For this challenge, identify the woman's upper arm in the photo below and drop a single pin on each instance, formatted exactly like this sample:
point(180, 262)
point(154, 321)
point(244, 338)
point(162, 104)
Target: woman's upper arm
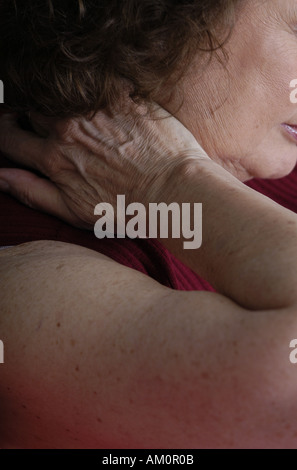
point(99, 355)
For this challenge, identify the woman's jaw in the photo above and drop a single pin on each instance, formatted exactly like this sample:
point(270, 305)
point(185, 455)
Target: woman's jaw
point(240, 112)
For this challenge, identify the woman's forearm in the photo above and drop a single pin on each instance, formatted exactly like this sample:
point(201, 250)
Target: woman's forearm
point(249, 247)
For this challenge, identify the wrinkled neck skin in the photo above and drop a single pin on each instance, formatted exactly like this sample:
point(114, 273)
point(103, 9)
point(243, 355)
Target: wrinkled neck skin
point(236, 106)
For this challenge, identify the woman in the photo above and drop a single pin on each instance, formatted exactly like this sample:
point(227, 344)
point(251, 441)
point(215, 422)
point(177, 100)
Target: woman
point(97, 354)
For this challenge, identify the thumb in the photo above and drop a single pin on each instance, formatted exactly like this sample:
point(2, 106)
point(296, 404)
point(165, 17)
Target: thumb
point(35, 192)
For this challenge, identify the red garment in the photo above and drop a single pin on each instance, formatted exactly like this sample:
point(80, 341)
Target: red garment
point(19, 224)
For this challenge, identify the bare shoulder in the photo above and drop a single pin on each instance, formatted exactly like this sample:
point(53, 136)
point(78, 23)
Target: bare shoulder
point(99, 355)
point(54, 249)
point(70, 322)
point(51, 262)
point(46, 278)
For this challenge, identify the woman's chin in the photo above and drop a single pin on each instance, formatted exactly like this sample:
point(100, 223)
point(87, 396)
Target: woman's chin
point(283, 170)
point(275, 168)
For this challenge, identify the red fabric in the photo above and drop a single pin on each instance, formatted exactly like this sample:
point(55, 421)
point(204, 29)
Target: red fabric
point(19, 224)
point(283, 191)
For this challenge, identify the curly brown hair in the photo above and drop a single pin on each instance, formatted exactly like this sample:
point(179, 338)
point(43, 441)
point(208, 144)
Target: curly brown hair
point(70, 57)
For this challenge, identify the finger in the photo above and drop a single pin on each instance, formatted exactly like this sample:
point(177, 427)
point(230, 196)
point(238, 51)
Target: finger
point(37, 193)
point(21, 146)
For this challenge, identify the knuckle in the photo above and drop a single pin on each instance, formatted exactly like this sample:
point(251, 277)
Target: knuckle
point(50, 164)
point(26, 198)
point(51, 159)
point(67, 130)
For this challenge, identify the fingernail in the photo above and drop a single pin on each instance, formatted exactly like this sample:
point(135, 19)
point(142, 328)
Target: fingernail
point(4, 186)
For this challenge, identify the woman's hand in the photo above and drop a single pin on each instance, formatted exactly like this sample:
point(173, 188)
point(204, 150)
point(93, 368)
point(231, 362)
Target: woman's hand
point(134, 153)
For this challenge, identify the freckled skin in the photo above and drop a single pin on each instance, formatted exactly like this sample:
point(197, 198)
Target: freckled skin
point(127, 396)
